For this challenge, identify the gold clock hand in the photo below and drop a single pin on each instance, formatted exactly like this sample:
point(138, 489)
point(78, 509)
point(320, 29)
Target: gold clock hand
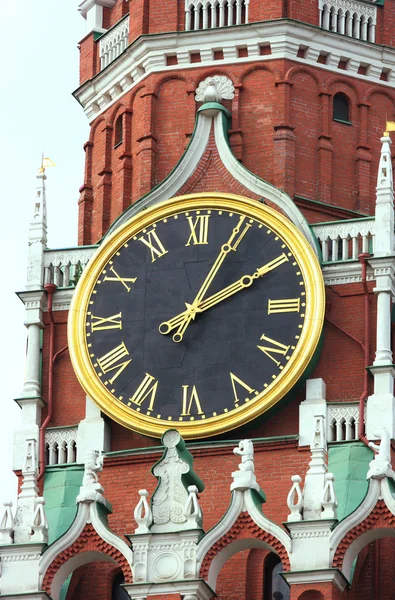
point(231, 244)
point(230, 290)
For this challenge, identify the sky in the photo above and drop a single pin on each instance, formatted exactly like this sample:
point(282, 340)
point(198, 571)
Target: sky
point(39, 72)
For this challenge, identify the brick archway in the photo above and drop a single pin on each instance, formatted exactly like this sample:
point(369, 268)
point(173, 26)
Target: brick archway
point(94, 548)
point(244, 533)
point(379, 523)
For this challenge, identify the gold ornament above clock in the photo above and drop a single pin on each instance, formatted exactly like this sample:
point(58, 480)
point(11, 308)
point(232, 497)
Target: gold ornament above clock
point(200, 313)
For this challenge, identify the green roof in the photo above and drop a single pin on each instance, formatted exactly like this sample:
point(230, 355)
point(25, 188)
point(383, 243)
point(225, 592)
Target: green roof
point(61, 487)
point(349, 462)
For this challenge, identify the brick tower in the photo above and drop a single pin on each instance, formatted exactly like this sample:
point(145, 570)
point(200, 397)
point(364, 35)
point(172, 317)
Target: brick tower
point(270, 114)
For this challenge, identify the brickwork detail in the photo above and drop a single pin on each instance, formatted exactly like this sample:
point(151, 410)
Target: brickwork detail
point(380, 517)
point(88, 541)
point(244, 528)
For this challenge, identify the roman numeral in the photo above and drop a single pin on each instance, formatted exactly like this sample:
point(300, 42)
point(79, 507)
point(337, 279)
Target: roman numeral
point(199, 230)
point(274, 348)
point(111, 361)
point(281, 306)
point(234, 379)
point(152, 241)
point(123, 280)
point(146, 390)
point(188, 401)
point(102, 323)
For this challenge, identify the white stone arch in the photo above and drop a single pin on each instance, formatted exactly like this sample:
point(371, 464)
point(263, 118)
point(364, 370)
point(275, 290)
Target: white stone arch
point(73, 563)
point(87, 513)
point(230, 550)
point(359, 543)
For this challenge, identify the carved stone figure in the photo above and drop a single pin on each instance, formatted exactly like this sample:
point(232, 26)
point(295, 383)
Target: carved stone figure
point(380, 466)
point(93, 465)
point(245, 449)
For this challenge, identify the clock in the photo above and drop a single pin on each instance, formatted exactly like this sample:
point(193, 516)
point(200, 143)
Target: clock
point(200, 313)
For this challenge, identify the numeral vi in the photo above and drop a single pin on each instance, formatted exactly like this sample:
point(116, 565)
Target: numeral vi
point(188, 401)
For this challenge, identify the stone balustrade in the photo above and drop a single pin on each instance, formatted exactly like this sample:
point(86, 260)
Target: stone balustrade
point(345, 240)
point(61, 445)
point(63, 267)
point(208, 14)
point(114, 42)
point(342, 422)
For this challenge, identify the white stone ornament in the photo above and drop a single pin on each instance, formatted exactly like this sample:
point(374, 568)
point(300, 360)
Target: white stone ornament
point(7, 524)
point(143, 513)
point(244, 478)
point(215, 89)
point(192, 510)
point(329, 501)
point(91, 490)
point(295, 499)
point(380, 466)
point(40, 523)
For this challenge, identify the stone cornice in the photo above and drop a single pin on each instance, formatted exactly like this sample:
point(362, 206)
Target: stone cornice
point(316, 576)
point(148, 54)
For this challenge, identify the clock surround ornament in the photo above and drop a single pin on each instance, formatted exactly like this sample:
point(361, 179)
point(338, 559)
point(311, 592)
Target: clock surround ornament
point(200, 313)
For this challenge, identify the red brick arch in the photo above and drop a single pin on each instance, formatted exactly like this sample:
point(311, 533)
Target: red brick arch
point(88, 541)
point(380, 518)
point(244, 528)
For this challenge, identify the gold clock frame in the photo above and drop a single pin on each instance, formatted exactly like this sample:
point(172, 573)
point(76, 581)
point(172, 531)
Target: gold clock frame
point(307, 344)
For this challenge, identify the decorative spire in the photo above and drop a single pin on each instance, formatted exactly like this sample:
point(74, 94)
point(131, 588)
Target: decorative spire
point(175, 473)
point(30, 521)
point(37, 235)
point(384, 214)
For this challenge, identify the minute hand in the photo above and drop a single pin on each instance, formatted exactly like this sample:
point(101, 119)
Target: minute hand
point(240, 284)
point(226, 292)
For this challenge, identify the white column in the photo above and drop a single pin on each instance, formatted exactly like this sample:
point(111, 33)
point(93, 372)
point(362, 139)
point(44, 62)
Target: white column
point(315, 403)
point(93, 432)
point(31, 387)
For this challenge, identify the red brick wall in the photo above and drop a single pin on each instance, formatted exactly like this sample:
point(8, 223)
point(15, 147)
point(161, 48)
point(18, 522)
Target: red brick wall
point(162, 112)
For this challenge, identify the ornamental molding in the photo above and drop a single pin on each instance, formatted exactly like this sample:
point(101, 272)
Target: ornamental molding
point(65, 256)
point(308, 534)
point(19, 557)
point(345, 229)
point(316, 576)
point(64, 434)
point(148, 55)
point(353, 6)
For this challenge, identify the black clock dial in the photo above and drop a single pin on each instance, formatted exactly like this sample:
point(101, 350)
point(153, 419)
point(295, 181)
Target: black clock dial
point(196, 315)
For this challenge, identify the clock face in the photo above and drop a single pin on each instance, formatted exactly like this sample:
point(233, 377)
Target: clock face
point(199, 314)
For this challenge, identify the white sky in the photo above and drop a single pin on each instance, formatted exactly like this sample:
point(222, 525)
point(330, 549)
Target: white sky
point(39, 72)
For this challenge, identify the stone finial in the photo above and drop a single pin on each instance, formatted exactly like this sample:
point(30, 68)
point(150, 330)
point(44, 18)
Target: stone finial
point(329, 502)
point(91, 490)
point(6, 524)
point(174, 472)
point(384, 211)
point(380, 466)
point(192, 510)
point(315, 476)
point(37, 236)
point(142, 513)
point(295, 499)
point(39, 524)
point(244, 478)
point(215, 89)
point(29, 487)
